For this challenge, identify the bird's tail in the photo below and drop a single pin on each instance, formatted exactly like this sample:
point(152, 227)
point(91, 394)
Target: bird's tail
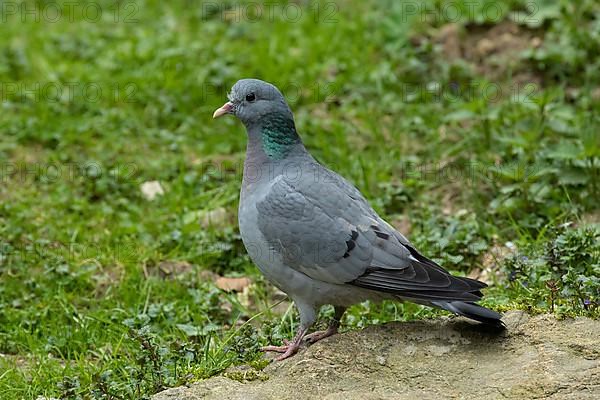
point(471, 310)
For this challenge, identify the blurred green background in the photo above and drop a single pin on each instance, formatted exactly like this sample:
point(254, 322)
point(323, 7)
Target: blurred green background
point(472, 126)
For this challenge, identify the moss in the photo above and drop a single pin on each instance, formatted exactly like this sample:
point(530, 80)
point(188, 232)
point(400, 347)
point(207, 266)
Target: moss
point(245, 373)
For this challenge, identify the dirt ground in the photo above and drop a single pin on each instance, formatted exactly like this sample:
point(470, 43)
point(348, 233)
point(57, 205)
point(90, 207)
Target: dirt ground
point(493, 51)
point(537, 357)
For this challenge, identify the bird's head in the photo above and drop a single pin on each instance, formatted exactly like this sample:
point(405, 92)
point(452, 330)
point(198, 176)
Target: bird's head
point(252, 100)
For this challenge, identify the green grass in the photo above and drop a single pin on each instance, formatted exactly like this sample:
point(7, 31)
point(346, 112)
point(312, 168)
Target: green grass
point(85, 311)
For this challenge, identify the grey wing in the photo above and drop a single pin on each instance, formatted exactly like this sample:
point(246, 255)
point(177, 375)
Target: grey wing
point(310, 236)
point(327, 231)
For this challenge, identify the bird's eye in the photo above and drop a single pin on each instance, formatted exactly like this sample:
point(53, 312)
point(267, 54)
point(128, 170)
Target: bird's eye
point(250, 97)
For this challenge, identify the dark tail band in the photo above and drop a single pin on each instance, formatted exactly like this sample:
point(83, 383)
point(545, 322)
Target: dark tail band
point(473, 311)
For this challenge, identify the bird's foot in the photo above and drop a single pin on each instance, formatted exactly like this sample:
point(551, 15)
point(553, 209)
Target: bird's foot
point(289, 348)
point(277, 349)
point(318, 335)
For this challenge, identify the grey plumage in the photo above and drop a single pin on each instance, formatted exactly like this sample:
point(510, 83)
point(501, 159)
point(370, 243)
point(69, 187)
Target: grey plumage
point(315, 236)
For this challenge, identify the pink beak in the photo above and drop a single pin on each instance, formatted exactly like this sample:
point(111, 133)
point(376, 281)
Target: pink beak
point(227, 108)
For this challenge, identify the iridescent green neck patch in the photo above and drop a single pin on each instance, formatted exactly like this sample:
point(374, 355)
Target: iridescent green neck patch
point(278, 136)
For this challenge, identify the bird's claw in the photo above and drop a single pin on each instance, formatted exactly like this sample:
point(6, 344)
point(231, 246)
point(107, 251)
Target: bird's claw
point(276, 349)
point(288, 349)
point(291, 350)
point(318, 335)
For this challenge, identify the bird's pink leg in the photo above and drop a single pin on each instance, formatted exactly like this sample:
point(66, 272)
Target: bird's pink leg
point(289, 348)
point(277, 349)
point(318, 335)
point(332, 328)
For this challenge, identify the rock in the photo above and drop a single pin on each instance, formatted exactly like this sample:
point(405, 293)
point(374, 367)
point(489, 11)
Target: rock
point(173, 269)
point(216, 218)
point(232, 284)
point(449, 37)
point(151, 189)
point(536, 357)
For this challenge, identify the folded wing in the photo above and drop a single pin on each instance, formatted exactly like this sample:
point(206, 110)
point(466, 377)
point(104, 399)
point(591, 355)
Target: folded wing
point(328, 231)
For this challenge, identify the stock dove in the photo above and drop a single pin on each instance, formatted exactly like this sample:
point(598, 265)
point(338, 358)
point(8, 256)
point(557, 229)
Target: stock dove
point(315, 237)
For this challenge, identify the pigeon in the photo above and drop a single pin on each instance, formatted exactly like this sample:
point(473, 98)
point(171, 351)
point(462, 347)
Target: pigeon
point(313, 234)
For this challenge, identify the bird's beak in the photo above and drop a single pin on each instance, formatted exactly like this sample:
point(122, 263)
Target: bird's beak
point(227, 108)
